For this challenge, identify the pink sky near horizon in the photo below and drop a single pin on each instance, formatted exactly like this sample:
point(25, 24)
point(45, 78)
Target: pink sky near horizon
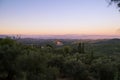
point(60, 31)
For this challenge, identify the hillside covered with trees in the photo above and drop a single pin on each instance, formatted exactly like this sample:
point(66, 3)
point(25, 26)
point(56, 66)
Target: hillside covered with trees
point(79, 61)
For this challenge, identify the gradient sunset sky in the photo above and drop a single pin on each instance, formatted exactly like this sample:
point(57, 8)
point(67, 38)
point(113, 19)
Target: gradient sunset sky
point(58, 17)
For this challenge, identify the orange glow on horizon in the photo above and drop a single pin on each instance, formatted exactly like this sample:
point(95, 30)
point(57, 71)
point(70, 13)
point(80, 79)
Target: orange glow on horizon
point(57, 31)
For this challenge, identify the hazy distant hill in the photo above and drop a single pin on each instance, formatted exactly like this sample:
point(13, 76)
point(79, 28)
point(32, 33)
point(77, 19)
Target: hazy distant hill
point(67, 36)
point(109, 41)
point(107, 46)
point(3, 36)
point(71, 36)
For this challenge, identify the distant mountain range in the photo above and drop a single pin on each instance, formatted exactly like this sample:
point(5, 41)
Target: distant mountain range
point(109, 41)
point(3, 36)
point(68, 36)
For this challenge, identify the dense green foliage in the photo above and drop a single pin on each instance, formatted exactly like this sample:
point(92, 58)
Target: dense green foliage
point(80, 61)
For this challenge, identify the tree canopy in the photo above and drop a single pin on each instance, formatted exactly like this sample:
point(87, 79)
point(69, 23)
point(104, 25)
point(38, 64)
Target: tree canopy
point(116, 2)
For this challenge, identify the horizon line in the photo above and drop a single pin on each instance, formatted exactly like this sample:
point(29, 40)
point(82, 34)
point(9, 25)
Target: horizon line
point(67, 36)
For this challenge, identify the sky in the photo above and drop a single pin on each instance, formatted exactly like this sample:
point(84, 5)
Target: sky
point(59, 17)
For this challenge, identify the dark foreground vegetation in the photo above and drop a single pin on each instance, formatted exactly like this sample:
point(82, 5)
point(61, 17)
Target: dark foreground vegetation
point(73, 60)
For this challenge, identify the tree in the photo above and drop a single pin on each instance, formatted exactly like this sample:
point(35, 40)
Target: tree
point(19, 62)
point(75, 70)
point(9, 51)
point(81, 48)
point(103, 68)
point(116, 2)
point(67, 49)
point(34, 65)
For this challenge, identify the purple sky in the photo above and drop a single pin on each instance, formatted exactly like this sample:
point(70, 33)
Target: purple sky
point(58, 17)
